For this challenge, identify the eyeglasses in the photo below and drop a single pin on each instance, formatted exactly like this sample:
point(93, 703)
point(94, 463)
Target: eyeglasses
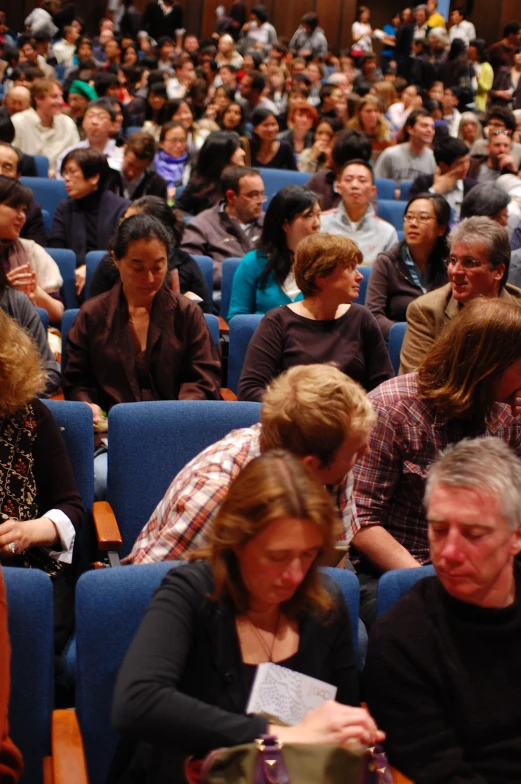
point(174, 140)
point(467, 264)
point(255, 196)
point(410, 217)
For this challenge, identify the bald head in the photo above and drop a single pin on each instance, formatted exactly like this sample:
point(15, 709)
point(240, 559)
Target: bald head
point(18, 100)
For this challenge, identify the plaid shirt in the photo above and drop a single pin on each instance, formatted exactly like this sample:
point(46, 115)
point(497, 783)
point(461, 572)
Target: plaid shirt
point(180, 521)
point(408, 435)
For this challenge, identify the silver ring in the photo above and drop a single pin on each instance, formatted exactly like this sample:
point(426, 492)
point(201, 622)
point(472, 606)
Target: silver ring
point(12, 547)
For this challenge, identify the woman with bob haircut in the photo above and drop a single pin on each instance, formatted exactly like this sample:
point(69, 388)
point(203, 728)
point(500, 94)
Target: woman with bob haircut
point(86, 219)
point(266, 149)
point(302, 118)
point(369, 119)
point(468, 386)
point(28, 267)
point(324, 327)
point(221, 149)
point(252, 595)
point(265, 278)
point(38, 495)
point(413, 266)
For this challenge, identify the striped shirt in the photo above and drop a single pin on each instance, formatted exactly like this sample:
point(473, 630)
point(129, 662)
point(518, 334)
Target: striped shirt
point(181, 520)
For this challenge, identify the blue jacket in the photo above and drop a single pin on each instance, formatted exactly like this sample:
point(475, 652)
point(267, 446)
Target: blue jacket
point(247, 297)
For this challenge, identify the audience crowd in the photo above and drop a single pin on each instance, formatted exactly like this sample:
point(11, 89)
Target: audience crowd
point(361, 211)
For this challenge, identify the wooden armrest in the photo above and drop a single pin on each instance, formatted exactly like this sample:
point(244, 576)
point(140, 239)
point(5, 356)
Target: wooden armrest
point(223, 326)
point(107, 531)
point(58, 396)
point(227, 394)
point(48, 777)
point(399, 778)
point(68, 756)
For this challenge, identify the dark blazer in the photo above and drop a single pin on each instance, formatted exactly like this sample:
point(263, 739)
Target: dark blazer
point(425, 181)
point(180, 360)
point(183, 686)
point(152, 184)
point(33, 228)
point(68, 228)
point(157, 24)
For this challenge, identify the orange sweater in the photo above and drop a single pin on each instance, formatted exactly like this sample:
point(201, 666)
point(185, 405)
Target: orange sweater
point(11, 765)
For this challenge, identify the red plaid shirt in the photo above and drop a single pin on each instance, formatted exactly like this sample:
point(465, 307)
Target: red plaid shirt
point(408, 435)
point(180, 521)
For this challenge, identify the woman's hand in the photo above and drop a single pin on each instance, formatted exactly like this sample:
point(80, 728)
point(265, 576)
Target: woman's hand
point(98, 420)
point(334, 723)
point(30, 533)
point(319, 148)
point(80, 275)
point(24, 279)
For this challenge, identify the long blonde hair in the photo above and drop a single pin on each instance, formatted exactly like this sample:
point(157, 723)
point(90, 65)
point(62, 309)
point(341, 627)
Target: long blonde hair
point(382, 129)
point(271, 486)
point(22, 375)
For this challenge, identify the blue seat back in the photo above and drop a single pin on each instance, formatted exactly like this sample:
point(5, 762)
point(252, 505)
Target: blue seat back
point(42, 165)
point(212, 322)
point(75, 421)
point(67, 321)
point(66, 261)
point(149, 443)
point(275, 179)
point(384, 188)
point(133, 129)
point(242, 329)
point(44, 318)
point(392, 212)
point(400, 235)
point(110, 604)
point(29, 601)
point(92, 259)
point(396, 336)
point(46, 216)
point(366, 272)
point(47, 193)
point(59, 70)
point(349, 585)
point(405, 187)
point(228, 273)
point(393, 585)
point(206, 266)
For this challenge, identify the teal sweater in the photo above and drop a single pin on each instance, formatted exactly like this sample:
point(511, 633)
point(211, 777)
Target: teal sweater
point(246, 296)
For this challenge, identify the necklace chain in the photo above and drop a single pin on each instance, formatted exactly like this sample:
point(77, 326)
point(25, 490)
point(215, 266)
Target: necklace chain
point(268, 651)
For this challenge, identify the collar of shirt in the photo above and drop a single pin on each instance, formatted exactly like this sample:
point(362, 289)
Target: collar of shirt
point(344, 217)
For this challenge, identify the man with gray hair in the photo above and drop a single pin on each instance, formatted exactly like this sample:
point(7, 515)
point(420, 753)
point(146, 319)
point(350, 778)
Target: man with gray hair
point(448, 695)
point(477, 266)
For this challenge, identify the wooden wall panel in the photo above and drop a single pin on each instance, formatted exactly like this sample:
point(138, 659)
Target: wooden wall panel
point(286, 15)
point(329, 13)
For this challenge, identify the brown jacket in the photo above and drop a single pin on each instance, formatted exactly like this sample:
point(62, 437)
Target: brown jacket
point(10, 758)
point(180, 360)
point(428, 315)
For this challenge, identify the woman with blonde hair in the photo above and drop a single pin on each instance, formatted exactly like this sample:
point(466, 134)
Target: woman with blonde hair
point(369, 119)
point(470, 128)
point(323, 327)
point(41, 506)
point(387, 94)
point(252, 595)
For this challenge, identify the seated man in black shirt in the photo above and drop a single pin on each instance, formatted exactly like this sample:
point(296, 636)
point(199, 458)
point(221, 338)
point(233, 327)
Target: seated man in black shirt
point(444, 664)
point(137, 173)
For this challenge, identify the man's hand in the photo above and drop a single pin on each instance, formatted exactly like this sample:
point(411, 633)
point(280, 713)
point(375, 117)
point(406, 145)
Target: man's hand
point(444, 182)
point(507, 162)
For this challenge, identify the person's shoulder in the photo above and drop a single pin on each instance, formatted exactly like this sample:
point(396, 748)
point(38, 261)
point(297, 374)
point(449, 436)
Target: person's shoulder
point(202, 219)
point(65, 120)
point(412, 611)
point(195, 580)
point(434, 300)
point(512, 293)
point(97, 306)
point(25, 117)
point(253, 259)
point(35, 251)
point(399, 393)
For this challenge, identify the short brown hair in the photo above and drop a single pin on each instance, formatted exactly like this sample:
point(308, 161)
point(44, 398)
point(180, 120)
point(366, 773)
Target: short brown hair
point(310, 409)
point(271, 486)
point(22, 376)
point(318, 255)
point(40, 88)
point(142, 144)
point(459, 373)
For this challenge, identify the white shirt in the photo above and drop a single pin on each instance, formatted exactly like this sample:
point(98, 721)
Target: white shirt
point(398, 114)
point(364, 31)
point(464, 30)
point(32, 138)
point(453, 121)
point(64, 52)
point(454, 196)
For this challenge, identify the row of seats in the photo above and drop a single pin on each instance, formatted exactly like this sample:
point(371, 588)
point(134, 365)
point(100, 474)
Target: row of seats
point(110, 605)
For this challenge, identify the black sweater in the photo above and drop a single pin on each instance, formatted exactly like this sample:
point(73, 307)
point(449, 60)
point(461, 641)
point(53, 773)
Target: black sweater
point(181, 685)
point(443, 679)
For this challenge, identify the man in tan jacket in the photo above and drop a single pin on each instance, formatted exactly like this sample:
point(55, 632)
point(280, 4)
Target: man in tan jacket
point(477, 266)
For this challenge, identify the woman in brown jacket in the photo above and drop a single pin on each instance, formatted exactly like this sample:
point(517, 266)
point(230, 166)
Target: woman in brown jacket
point(413, 266)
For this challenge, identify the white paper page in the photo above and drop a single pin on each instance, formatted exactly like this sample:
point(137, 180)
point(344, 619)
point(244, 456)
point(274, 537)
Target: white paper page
point(285, 694)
